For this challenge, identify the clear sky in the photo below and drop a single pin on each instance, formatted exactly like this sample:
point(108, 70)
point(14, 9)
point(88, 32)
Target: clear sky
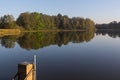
point(101, 11)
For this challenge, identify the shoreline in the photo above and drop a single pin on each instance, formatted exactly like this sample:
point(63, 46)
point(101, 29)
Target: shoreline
point(52, 30)
point(108, 29)
point(9, 32)
point(18, 30)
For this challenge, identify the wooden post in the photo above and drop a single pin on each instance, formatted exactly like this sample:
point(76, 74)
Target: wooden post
point(25, 71)
point(34, 67)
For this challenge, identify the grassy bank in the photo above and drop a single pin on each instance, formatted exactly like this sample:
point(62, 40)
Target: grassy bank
point(8, 32)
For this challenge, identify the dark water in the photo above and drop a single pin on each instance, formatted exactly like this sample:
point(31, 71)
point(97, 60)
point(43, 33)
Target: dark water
point(63, 55)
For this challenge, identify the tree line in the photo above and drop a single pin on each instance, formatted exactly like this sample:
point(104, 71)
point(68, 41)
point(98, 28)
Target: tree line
point(39, 21)
point(112, 25)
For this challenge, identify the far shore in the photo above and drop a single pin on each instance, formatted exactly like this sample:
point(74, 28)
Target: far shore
point(45, 30)
point(108, 29)
point(9, 32)
point(52, 30)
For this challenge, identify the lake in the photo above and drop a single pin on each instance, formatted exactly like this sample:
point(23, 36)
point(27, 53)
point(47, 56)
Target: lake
point(63, 55)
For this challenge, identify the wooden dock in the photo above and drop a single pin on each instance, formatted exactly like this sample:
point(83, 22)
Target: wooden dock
point(26, 71)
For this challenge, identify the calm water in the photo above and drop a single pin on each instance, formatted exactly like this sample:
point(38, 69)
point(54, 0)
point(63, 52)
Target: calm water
point(63, 56)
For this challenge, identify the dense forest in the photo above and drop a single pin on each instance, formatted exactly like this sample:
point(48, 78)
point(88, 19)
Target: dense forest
point(39, 40)
point(112, 25)
point(39, 21)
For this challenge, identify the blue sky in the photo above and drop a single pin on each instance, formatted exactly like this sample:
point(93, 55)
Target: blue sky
point(101, 11)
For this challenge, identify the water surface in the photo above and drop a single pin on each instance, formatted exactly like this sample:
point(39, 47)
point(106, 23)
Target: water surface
point(63, 55)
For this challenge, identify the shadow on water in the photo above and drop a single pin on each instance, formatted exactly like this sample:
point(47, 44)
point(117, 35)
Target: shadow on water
point(38, 40)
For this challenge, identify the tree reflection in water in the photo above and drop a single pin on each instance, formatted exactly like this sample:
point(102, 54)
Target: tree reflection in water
point(38, 40)
point(111, 33)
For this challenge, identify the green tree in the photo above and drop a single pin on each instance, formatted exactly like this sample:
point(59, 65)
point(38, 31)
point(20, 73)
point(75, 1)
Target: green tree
point(8, 22)
point(39, 21)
